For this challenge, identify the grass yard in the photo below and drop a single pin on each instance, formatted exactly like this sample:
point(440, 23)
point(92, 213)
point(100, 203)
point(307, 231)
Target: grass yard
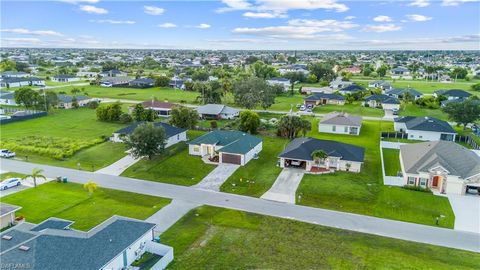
point(175, 166)
point(70, 201)
point(258, 175)
point(354, 109)
point(216, 238)
point(364, 192)
point(7, 175)
point(391, 160)
point(414, 110)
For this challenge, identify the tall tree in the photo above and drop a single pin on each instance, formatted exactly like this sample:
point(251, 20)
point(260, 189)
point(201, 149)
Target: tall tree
point(249, 121)
point(252, 92)
point(146, 140)
point(290, 126)
point(138, 113)
point(26, 96)
point(36, 173)
point(464, 113)
point(323, 71)
point(183, 117)
point(263, 71)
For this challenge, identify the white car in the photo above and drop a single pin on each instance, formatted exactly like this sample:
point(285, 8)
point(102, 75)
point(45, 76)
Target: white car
point(6, 153)
point(9, 183)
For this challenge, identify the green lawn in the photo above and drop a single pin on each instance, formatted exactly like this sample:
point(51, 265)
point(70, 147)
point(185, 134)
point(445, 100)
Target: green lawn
point(175, 166)
point(414, 110)
point(354, 109)
point(364, 192)
point(216, 238)
point(7, 175)
point(70, 201)
point(258, 175)
point(391, 160)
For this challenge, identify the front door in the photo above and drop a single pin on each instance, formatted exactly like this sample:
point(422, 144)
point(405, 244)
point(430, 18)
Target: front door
point(435, 181)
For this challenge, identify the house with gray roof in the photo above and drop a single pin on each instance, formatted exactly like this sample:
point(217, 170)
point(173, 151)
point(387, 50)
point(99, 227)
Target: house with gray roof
point(222, 146)
point(339, 156)
point(65, 78)
point(9, 82)
point(7, 214)
point(173, 135)
point(452, 94)
point(66, 102)
point(52, 244)
point(217, 111)
point(340, 123)
point(382, 101)
point(444, 166)
point(401, 92)
point(283, 82)
point(7, 98)
point(424, 128)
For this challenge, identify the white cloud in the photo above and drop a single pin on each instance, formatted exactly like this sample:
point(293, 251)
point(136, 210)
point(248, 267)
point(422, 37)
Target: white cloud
point(22, 40)
point(418, 18)
point(382, 28)
point(23, 31)
point(93, 9)
point(232, 5)
point(382, 18)
point(420, 3)
point(203, 26)
point(350, 18)
point(113, 21)
point(152, 10)
point(167, 25)
point(450, 3)
point(300, 29)
point(264, 15)
point(282, 7)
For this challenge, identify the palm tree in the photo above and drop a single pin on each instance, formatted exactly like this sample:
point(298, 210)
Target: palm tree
point(90, 186)
point(318, 155)
point(36, 173)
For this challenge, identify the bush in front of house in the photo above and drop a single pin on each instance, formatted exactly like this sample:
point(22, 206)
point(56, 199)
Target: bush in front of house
point(417, 188)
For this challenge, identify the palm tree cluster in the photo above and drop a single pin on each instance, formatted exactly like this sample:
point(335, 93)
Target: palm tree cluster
point(290, 126)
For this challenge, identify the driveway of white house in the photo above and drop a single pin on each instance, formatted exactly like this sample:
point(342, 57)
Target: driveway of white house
point(217, 177)
point(467, 212)
point(285, 187)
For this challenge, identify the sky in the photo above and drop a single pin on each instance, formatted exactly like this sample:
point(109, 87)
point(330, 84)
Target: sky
point(243, 24)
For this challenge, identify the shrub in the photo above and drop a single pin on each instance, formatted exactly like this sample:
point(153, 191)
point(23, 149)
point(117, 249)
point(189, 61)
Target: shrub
point(417, 188)
point(92, 104)
point(213, 124)
point(125, 118)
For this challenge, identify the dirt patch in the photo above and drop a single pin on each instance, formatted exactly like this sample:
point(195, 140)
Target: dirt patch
point(203, 241)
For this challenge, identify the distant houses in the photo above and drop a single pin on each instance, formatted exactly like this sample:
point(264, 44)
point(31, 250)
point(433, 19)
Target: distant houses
point(424, 128)
point(66, 102)
point(173, 134)
point(350, 89)
point(285, 83)
point(319, 99)
point(304, 90)
point(452, 94)
point(113, 73)
point(217, 111)
point(65, 78)
point(339, 83)
point(400, 93)
point(162, 109)
point(142, 83)
point(382, 101)
point(401, 73)
point(340, 123)
point(115, 81)
point(9, 82)
point(7, 98)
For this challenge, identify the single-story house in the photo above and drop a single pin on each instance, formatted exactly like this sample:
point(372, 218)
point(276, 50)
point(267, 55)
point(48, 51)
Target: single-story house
point(177, 83)
point(9, 82)
point(142, 83)
point(352, 88)
point(459, 100)
point(304, 90)
point(339, 83)
point(65, 78)
point(114, 81)
point(7, 98)
point(66, 102)
point(424, 128)
point(113, 73)
point(294, 68)
point(340, 156)
point(113, 244)
point(340, 123)
point(440, 165)
point(384, 85)
point(162, 108)
point(233, 147)
point(284, 82)
point(7, 214)
point(173, 134)
point(87, 74)
point(401, 92)
point(452, 94)
point(217, 111)
point(382, 101)
point(400, 72)
point(14, 74)
point(318, 99)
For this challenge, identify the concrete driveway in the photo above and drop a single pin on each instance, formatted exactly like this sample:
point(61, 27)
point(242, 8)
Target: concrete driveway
point(170, 214)
point(467, 212)
point(285, 187)
point(217, 177)
point(119, 166)
point(388, 114)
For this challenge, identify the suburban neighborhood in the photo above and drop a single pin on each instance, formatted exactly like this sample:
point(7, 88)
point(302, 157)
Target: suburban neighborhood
point(292, 146)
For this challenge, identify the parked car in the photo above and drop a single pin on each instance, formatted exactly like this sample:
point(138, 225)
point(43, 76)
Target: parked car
point(302, 108)
point(9, 183)
point(6, 153)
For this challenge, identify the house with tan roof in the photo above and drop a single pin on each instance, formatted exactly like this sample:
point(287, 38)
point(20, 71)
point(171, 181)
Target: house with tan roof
point(340, 123)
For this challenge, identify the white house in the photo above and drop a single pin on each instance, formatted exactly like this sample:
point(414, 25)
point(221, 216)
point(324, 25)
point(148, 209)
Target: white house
point(66, 102)
point(424, 128)
point(173, 134)
point(285, 83)
point(162, 109)
point(65, 78)
point(382, 101)
point(217, 111)
point(7, 98)
point(9, 82)
point(7, 214)
point(446, 167)
point(233, 147)
point(401, 73)
point(340, 123)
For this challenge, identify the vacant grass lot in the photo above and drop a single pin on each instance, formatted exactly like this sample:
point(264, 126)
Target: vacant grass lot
point(175, 166)
point(70, 201)
point(414, 110)
point(364, 192)
point(354, 109)
point(391, 160)
point(258, 175)
point(216, 238)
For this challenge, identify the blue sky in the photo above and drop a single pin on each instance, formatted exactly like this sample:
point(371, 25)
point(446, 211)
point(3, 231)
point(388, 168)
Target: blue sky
point(242, 24)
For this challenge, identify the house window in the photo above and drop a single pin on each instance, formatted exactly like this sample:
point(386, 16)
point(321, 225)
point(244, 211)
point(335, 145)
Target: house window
point(178, 136)
point(345, 129)
point(334, 128)
point(411, 180)
point(196, 148)
point(423, 182)
point(411, 136)
point(420, 136)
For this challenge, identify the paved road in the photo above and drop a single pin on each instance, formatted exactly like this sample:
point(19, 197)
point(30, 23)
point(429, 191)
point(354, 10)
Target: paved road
point(285, 187)
point(383, 227)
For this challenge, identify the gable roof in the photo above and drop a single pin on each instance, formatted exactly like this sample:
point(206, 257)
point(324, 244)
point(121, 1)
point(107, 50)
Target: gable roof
point(344, 119)
point(352, 88)
point(453, 93)
point(425, 124)
point(169, 130)
point(143, 81)
point(68, 99)
point(157, 104)
point(403, 91)
point(235, 142)
point(383, 99)
point(52, 223)
point(319, 96)
point(64, 76)
point(302, 148)
point(456, 159)
point(216, 109)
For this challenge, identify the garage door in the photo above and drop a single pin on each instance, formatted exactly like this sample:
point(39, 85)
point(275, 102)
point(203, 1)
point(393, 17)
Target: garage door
point(230, 158)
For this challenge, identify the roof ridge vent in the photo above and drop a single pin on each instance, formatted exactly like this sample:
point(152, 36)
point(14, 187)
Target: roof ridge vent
point(7, 237)
point(24, 248)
